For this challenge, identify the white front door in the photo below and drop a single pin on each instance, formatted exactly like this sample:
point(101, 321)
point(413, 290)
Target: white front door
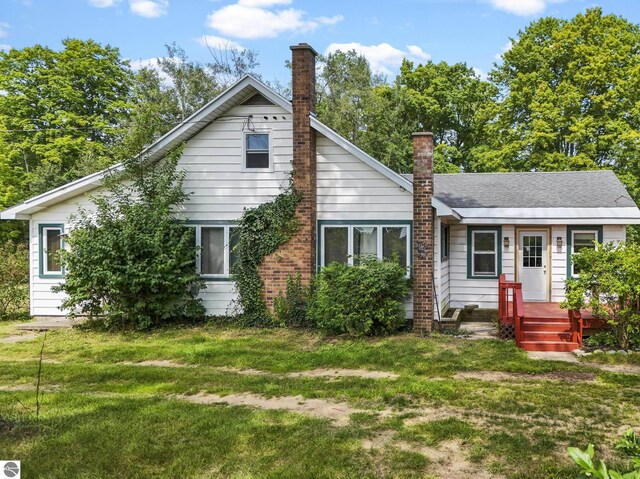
point(532, 265)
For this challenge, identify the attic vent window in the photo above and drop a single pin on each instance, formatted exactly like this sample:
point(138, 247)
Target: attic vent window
point(257, 151)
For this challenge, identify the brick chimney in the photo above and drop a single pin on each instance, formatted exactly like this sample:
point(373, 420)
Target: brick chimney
point(422, 231)
point(299, 254)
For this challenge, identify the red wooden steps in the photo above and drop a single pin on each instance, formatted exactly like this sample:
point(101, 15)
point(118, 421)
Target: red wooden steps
point(558, 346)
point(547, 334)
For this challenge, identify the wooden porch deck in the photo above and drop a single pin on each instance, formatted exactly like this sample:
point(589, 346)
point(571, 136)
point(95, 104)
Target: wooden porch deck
point(545, 310)
point(540, 326)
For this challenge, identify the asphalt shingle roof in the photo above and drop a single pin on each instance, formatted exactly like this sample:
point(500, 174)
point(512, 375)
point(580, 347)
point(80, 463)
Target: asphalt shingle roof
point(570, 189)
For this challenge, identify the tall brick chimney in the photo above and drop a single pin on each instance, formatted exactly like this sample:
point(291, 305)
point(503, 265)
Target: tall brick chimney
point(422, 231)
point(299, 254)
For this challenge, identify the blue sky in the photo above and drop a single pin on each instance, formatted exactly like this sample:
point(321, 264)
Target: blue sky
point(471, 31)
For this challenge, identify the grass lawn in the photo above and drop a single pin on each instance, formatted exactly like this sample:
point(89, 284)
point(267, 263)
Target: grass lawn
point(446, 407)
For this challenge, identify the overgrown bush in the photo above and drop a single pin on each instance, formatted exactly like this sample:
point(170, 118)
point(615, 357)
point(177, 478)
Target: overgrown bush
point(291, 308)
point(609, 285)
point(364, 299)
point(14, 281)
point(132, 262)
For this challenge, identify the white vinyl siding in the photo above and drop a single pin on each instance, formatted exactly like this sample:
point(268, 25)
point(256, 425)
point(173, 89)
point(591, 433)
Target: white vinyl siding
point(480, 291)
point(221, 189)
point(348, 189)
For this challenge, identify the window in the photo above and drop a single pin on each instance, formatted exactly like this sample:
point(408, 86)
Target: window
point(579, 238)
point(483, 252)
point(532, 251)
point(346, 243)
point(51, 242)
point(215, 258)
point(257, 151)
point(444, 241)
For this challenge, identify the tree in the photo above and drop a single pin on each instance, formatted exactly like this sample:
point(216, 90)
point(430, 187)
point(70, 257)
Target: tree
point(452, 102)
point(165, 96)
point(131, 262)
point(60, 114)
point(571, 90)
point(609, 285)
point(345, 89)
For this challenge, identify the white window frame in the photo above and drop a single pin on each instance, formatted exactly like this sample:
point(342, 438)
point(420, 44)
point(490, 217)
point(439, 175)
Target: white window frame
point(494, 252)
point(227, 250)
point(350, 227)
point(573, 246)
point(43, 246)
point(244, 151)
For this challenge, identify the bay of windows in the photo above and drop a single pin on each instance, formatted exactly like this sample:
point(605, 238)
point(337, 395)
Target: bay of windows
point(347, 243)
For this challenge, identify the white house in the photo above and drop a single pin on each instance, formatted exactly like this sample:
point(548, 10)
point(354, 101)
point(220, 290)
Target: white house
point(457, 232)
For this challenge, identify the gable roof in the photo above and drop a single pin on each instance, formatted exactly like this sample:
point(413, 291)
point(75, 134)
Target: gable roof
point(241, 91)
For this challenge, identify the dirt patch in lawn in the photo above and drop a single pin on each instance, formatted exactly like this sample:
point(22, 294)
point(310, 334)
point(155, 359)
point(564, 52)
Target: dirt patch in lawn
point(567, 376)
point(448, 461)
point(314, 373)
point(18, 338)
point(337, 412)
point(344, 373)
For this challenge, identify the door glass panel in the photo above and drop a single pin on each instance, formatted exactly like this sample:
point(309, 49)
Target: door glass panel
point(365, 241)
point(532, 251)
point(394, 244)
point(336, 245)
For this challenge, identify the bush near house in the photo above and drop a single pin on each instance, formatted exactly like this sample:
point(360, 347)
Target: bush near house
point(14, 281)
point(609, 285)
point(363, 299)
point(132, 262)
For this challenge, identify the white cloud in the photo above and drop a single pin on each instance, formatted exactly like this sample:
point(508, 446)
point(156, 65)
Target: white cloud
point(480, 73)
point(258, 19)
point(149, 8)
point(383, 58)
point(508, 46)
point(523, 7)
point(4, 29)
point(4, 47)
point(151, 63)
point(103, 3)
point(418, 52)
point(263, 3)
point(212, 41)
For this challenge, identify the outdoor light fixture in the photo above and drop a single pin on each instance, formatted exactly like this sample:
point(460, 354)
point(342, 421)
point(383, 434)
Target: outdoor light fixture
point(505, 241)
point(559, 241)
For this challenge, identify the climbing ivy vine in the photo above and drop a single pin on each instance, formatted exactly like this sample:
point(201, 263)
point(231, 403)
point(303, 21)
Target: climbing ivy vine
point(261, 231)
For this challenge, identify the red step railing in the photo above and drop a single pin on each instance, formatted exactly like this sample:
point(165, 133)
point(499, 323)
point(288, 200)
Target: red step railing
point(511, 306)
point(577, 325)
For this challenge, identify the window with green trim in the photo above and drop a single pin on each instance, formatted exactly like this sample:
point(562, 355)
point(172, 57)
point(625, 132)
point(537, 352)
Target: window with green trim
point(580, 238)
point(346, 243)
point(444, 241)
point(215, 258)
point(483, 252)
point(51, 243)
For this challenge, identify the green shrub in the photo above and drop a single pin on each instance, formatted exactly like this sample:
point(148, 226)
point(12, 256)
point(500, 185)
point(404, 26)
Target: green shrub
point(609, 285)
point(14, 281)
point(629, 445)
point(363, 299)
point(132, 262)
point(291, 308)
